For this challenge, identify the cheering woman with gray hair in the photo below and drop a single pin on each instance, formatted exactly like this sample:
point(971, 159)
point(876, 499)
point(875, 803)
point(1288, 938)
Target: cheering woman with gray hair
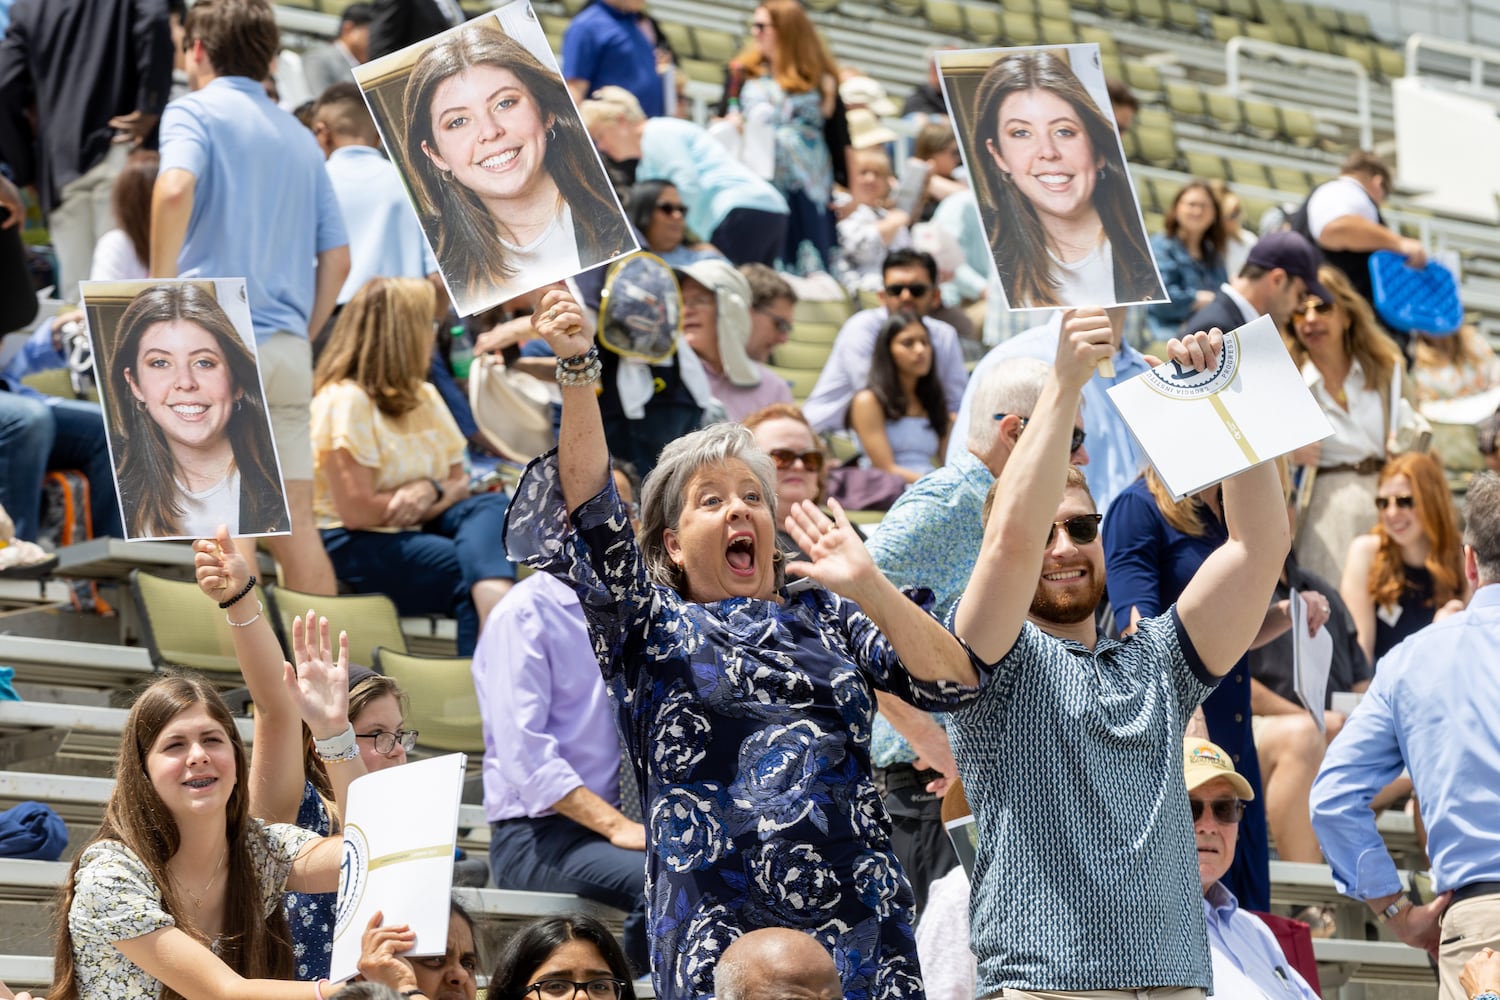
point(746, 705)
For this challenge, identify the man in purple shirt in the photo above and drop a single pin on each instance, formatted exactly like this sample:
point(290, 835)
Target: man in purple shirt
point(552, 756)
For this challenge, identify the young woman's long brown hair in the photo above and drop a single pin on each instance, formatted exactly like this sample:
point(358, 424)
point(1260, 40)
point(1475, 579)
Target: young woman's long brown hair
point(382, 341)
point(1433, 507)
point(253, 944)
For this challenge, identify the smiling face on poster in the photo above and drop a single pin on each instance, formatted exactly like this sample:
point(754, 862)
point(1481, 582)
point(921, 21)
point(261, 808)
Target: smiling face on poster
point(189, 434)
point(1038, 136)
point(510, 190)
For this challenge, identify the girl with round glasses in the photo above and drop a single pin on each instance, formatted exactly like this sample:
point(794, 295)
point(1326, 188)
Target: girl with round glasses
point(1410, 568)
point(571, 957)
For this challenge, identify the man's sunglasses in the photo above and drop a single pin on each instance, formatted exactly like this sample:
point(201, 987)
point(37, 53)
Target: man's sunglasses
point(1226, 811)
point(785, 458)
point(1083, 529)
point(916, 288)
point(1402, 503)
point(1079, 435)
point(783, 326)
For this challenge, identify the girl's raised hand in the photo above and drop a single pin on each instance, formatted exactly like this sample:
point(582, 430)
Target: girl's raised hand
point(319, 683)
point(220, 569)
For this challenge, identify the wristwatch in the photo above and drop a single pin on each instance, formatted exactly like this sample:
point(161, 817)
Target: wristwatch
point(440, 491)
point(1393, 909)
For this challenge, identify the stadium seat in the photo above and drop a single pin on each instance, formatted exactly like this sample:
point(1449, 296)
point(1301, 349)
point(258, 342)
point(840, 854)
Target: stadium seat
point(1205, 165)
point(1057, 10)
point(716, 46)
point(442, 704)
point(1285, 33)
point(1152, 12)
point(802, 381)
point(1183, 16)
point(1225, 112)
point(1145, 194)
point(1391, 61)
point(1186, 100)
point(181, 629)
point(1260, 32)
point(1019, 29)
point(370, 620)
point(1356, 23)
point(1248, 172)
point(945, 15)
point(984, 23)
point(1315, 37)
point(1246, 10)
point(1122, 9)
point(1290, 181)
point(572, 7)
point(1361, 52)
point(679, 36)
point(1019, 6)
point(1055, 32)
point(821, 311)
point(1262, 118)
point(802, 355)
point(1225, 27)
point(1143, 77)
point(1158, 147)
point(1101, 37)
point(1299, 126)
point(822, 6)
point(702, 70)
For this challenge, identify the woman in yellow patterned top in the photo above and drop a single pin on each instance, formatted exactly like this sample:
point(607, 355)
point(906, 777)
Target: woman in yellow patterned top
point(389, 487)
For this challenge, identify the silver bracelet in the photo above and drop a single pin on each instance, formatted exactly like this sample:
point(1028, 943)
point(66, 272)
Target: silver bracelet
point(259, 607)
point(586, 369)
point(338, 748)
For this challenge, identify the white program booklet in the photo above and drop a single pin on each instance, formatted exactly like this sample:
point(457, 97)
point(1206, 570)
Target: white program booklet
point(398, 856)
point(1198, 428)
point(1312, 656)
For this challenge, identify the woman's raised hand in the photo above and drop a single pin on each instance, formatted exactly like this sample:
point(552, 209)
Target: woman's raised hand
point(559, 321)
point(319, 684)
point(836, 557)
point(380, 952)
point(220, 569)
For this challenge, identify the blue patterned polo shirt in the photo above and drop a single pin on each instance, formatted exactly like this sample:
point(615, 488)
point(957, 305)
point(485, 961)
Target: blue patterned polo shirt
point(1087, 873)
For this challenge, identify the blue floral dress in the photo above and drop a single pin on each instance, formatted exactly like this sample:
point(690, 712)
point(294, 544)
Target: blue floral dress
point(311, 914)
point(748, 723)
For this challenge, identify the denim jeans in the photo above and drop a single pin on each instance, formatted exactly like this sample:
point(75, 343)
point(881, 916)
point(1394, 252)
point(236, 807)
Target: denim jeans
point(37, 436)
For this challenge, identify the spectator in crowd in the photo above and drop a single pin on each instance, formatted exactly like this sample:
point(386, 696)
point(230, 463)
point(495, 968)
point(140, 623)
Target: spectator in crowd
point(453, 975)
point(1409, 569)
point(1247, 959)
point(230, 160)
point(385, 238)
point(607, 45)
point(901, 418)
point(392, 497)
point(82, 82)
point(911, 282)
point(773, 303)
point(556, 956)
point(395, 24)
point(1436, 685)
point(1279, 274)
point(873, 226)
point(657, 210)
point(1032, 599)
point(1074, 242)
point(926, 102)
point(552, 755)
point(1486, 439)
point(329, 63)
point(775, 962)
point(1115, 460)
point(716, 326)
point(1124, 102)
point(124, 253)
point(1342, 217)
point(1190, 255)
point(706, 559)
point(183, 474)
point(484, 222)
point(930, 538)
point(937, 146)
point(1461, 364)
point(1349, 365)
point(782, 432)
point(1238, 239)
point(792, 81)
point(743, 216)
point(967, 288)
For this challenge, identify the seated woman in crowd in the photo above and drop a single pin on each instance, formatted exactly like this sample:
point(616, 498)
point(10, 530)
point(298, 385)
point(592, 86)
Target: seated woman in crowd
point(391, 493)
point(782, 432)
point(122, 253)
point(873, 226)
point(741, 673)
point(1410, 568)
point(1237, 238)
point(452, 975)
point(1190, 254)
point(902, 418)
point(551, 959)
point(1462, 364)
point(657, 210)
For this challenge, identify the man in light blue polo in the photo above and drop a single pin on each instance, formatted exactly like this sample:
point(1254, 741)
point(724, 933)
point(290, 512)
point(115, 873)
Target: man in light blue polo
point(242, 193)
point(1086, 878)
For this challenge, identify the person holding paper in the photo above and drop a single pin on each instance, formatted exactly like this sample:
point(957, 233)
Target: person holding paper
point(1408, 570)
point(1119, 707)
point(504, 175)
point(746, 706)
point(1055, 194)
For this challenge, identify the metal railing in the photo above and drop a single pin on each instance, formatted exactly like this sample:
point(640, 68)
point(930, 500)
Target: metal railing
point(1478, 56)
point(1362, 118)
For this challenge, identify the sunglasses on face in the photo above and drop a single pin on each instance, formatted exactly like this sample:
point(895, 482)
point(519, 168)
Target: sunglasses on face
point(670, 208)
point(1079, 434)
point(758, 26)
point(1316, 305)
point(783, 326)
point(785, 458)
point(1081, 529)
point(1402, 503)
point(917, 290)
point(1225, 811)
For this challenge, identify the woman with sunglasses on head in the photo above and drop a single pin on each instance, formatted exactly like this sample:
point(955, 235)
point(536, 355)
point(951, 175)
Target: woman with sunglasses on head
point(1349, 364)
point(903, 418)
point(562, 958)
point(1410, 568)
point(801, 461)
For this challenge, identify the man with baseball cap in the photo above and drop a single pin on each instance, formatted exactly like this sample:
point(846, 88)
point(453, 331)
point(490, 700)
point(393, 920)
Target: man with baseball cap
point(1248, 963)
point(1280, 273)
point(716, 324)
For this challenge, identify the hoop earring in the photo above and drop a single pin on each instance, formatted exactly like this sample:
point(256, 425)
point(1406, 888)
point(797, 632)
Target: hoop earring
point(239, 404)
point(552, 133)
point(140, 404)
point(1102, 173)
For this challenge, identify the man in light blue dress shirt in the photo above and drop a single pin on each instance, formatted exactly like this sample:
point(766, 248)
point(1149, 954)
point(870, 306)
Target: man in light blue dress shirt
point(1431, 710)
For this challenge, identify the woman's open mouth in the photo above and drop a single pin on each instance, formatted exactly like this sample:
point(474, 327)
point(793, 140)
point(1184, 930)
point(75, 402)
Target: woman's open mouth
point(740, 555)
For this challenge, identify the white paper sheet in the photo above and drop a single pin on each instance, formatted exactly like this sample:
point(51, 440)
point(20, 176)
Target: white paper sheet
point(1200, 427)
point(1312, 656)
point(398, 856)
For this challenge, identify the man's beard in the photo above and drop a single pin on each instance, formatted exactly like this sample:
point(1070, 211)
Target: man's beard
point(1071, 605)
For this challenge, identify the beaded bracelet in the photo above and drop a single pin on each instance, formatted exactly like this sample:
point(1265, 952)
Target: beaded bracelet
point(249, 586)
point(337, 749)
point(259, 609)
point(586, 369)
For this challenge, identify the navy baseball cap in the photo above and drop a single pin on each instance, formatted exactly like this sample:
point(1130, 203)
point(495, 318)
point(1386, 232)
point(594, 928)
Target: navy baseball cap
point(1293, 254)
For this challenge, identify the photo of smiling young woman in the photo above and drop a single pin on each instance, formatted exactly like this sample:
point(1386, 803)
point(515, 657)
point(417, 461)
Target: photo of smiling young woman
point(510, 190)
point(1055, 195)
point(189, 436)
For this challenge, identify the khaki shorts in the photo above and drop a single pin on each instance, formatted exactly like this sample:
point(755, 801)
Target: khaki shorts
point(286, 370)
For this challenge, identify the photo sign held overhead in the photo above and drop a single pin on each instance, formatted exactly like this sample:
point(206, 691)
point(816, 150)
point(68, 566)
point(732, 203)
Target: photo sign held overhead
point(1037, 132)
point(502, 173)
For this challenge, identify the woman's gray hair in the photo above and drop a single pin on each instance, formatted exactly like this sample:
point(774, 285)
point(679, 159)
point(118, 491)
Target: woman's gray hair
point(664, 492)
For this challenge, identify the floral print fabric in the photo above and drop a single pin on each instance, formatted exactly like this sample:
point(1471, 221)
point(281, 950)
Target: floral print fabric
point(310, 915)
point(748, 723)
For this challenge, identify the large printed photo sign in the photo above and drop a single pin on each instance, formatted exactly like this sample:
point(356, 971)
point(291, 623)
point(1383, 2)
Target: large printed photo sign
point(1037, 133)
point(510, 190)
point(185, 409)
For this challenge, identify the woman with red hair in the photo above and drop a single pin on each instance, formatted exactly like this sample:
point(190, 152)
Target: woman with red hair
point(1409, 568)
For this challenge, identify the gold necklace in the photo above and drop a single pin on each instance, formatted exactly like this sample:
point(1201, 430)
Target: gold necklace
point(196, 898)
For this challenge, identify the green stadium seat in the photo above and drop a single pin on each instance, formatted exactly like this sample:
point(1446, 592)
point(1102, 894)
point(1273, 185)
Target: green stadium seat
point(946, 16)
point(826, 311)
point(1260, 32)
point(821, 334)
point(1058, 10)
point(1213, 6)
point(1327, 16)
point(1055, 32)
point(1183, 16)
point(1186, 99)
point(1392, 62)
point(1110, 63)
point(1244, 9)
point(300, 4)
point(1285, 33)
point(1158, 147)
point(1315, 37)
point(556, 24)
point(802, 381)
point(1118, 8)
point(1142, 76)
point(1162, 193)
point(1255, 207)
point(1145, 194)
point(571, 7)
point(1152, 12)
point(1155, 221)
point(802, 356)
point(1155, 117)
point(1225, 27)
point(1290, 180)
point(1248, 172)
point(1019, 6)
point(1019, 29)
point(1225, 112)
point(716, 46)
point(1091, 6)
point(1262, 118)
point(702, 70)
point(1131, 144)
point(1361, 52)
point(822, 6)
point(1356, 23)
point(1101, 37)
point(1299, 126)
point(1205, 165)
point(984, 23)
point(678, 36)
